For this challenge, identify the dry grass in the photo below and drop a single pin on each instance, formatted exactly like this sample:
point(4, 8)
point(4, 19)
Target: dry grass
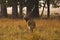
point(17, 29)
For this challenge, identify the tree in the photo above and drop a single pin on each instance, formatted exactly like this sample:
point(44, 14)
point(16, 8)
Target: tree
point(14, 9)
point(36, 12)
point(21, 3)
point(32, 8)
point(48, 10)
point(3, 8)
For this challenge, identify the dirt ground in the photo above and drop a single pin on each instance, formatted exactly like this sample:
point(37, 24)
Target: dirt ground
point(17, 29)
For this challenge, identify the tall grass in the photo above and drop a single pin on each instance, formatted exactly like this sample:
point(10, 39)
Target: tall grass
point(17, 29)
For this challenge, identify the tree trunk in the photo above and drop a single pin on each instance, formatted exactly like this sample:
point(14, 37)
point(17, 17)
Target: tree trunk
point(48, 10)
point(36, 12)
point(21, 5)
point(14, 9)
point(4, 8)
point(32, 8)
point(21, 10)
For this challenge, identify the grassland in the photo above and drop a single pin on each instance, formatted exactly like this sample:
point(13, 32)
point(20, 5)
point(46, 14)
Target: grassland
point(17, 29)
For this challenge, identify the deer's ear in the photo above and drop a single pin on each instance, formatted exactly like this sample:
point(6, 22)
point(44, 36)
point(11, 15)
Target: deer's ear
point(26, 19)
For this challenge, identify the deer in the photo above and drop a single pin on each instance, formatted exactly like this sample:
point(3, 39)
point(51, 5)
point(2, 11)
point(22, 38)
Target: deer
point(31, 24)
